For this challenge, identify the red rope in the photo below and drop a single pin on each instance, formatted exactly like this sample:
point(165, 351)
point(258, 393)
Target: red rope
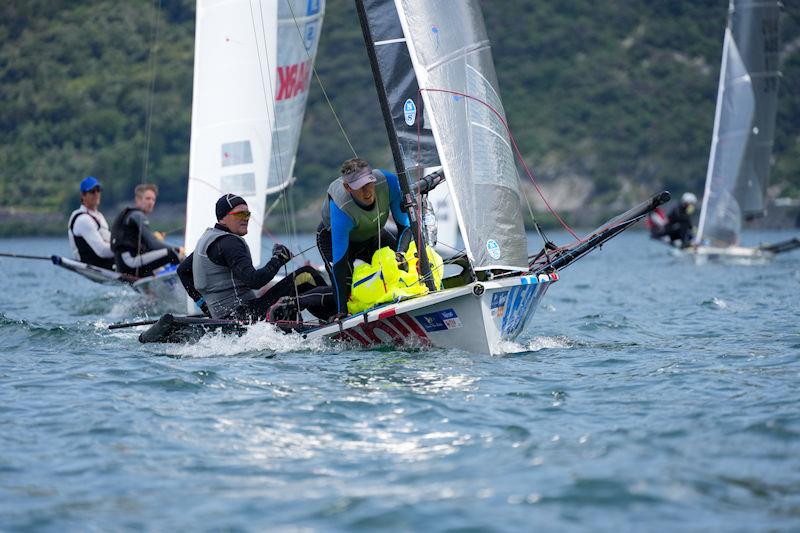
point(516, 151)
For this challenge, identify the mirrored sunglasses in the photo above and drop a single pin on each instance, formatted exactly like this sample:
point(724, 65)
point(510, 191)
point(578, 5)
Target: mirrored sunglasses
point(241, 215)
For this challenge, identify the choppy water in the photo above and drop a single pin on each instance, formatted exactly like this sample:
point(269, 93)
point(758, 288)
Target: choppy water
point(649, 394)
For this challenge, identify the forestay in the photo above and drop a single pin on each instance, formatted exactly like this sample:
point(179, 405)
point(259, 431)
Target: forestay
point(232, 111)
point(744, 123)
point(452, 59)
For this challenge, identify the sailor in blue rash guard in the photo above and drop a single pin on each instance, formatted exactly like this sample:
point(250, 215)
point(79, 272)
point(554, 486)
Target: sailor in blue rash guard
point(354, 213)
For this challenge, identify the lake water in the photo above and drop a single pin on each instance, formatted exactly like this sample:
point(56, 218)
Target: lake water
point(648, 394)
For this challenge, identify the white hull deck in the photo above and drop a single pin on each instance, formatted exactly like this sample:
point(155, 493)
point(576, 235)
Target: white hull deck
point(163, 287)
point(475, 318)
point(731, 254)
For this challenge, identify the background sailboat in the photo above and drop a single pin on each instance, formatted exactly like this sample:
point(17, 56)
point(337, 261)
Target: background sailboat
point(744, 126)
point(253, 63)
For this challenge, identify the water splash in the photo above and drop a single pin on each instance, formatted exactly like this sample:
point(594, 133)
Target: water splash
point(534, 345)
point(260, 337)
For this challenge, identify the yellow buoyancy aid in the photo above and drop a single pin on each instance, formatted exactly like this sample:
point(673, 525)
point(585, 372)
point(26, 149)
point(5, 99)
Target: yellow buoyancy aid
point(384, 281)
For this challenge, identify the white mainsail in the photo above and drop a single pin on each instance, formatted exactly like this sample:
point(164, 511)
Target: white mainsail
point(453, 63)
point(744, 123)
point(232, 111)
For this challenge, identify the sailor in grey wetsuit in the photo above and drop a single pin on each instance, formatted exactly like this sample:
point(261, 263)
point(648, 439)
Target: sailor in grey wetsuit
point(137, 250)
point(89, 236)
point(353, 217)
point(221, 279)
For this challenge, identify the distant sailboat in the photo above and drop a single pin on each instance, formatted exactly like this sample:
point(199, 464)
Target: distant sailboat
point(253, 65)
point(744, 127)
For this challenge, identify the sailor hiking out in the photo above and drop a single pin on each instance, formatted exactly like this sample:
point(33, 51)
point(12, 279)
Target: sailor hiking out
point(89, 236)
point(679, 227)
point(354, 214)
point(222, 280)
point(137, 250)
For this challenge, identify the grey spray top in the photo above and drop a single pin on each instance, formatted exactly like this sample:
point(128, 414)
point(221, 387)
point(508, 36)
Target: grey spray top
point(221, 290)
point(366, 223)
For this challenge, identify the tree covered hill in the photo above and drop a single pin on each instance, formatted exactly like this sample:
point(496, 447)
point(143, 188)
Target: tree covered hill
point(618, 94)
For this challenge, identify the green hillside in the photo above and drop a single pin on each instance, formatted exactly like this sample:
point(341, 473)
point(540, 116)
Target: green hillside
point(620, 93)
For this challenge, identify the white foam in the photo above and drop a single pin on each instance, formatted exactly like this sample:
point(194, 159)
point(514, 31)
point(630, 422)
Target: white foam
point(258, 338)
point(534, 345)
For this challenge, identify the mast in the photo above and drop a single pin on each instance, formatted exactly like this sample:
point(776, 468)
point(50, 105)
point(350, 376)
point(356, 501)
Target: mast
point(409, 202)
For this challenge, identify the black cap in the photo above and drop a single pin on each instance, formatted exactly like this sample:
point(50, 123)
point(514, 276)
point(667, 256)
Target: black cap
point(226, 203)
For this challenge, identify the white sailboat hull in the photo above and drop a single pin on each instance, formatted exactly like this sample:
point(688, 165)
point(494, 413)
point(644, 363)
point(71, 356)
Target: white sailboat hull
point(729, 254)
point(163, 287)
point(475, 318)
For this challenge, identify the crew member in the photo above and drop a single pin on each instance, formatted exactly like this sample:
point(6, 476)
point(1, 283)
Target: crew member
point(220, 274)
point(88, 232)
point(354, 213)
point(679, 227)
point(137, 250)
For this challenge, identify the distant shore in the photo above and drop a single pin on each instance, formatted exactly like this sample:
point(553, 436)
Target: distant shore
point(170, 219)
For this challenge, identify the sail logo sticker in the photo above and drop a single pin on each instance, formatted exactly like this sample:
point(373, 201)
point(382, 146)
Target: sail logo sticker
point(312, 7)
point(293, 80)
point(410, 111)
point(493, 248)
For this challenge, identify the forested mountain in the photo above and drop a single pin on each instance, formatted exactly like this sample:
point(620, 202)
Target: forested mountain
point(614, 97)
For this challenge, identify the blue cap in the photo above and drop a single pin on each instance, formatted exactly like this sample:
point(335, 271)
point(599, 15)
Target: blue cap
point(90, 183)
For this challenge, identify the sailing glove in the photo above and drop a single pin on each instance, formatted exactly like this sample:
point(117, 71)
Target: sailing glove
point(282, 253)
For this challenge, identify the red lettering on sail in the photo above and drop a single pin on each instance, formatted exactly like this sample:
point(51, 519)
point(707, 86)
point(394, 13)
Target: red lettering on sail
point(293, 80)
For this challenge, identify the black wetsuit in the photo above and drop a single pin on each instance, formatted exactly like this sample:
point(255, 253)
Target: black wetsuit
point(679, 226)
point(232, 252)
point(136, 249)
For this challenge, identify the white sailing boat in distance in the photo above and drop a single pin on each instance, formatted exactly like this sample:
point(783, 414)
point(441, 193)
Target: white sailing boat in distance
point(744, 127)
point(252, 70)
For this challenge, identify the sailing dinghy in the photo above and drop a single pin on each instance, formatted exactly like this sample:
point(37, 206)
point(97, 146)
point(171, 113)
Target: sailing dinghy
point(744, 127)
point(432, 66)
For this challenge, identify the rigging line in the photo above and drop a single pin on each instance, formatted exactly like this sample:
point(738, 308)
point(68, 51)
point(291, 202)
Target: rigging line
point(151, 89)
point(319, 82)
point(516, 150)
point(271, 114)
point(536, 226)
point(149, 115)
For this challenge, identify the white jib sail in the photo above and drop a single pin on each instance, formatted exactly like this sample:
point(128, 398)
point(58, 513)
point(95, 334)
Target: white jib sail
point(232, 112)
point(299, 28)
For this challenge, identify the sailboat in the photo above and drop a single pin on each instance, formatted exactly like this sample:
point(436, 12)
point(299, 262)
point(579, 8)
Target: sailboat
point(252, 70)
point(433, 69)
point(744, 126)
point(435, 77)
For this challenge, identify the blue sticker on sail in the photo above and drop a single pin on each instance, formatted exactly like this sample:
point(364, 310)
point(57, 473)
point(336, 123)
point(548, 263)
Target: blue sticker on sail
point(310, 35)
point(440, 320)
point(312, 7)
point(410, 111)
point(493, 248)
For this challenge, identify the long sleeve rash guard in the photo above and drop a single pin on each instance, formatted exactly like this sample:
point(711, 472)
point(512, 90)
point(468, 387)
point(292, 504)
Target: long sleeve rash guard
point(232, 252)
point(341, 224)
